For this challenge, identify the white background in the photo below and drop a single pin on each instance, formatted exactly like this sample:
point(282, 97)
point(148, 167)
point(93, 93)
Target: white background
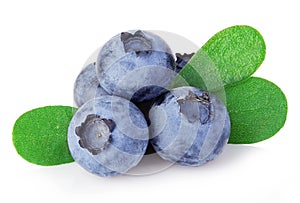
point(43, 46)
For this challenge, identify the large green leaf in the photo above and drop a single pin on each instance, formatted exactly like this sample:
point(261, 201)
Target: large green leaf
point(257, 110)
point(231, 55)
point(40, 135)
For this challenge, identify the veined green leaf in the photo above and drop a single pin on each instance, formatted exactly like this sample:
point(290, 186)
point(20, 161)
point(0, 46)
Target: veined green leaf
point(257, 110)
point(231, 55)
point(40, 135)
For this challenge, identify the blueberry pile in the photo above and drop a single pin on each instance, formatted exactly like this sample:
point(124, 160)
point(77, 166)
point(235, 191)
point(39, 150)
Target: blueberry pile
point(126, 108)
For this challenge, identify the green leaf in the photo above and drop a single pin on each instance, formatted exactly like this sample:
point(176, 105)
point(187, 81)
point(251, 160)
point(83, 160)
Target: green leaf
point(231, 55)
point(257, 110)
point(40, 135)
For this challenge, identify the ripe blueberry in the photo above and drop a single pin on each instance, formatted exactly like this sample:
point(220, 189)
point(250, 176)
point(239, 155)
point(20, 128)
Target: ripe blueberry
point(87, 85)
point(108, 136)
point(136, 65)
point(189, 126)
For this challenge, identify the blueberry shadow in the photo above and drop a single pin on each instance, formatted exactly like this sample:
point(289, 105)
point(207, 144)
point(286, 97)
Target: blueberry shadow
point(149, 165)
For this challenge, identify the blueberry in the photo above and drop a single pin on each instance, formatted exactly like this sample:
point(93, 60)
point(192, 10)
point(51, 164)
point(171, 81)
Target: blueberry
point(108, 136)
point(189, 126)
point(87, 85)
point(182, 60)
point(135, 65)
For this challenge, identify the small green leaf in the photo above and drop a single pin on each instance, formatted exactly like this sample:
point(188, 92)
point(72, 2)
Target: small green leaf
point(231, 55)
point(257, 110)
point(40, 135)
